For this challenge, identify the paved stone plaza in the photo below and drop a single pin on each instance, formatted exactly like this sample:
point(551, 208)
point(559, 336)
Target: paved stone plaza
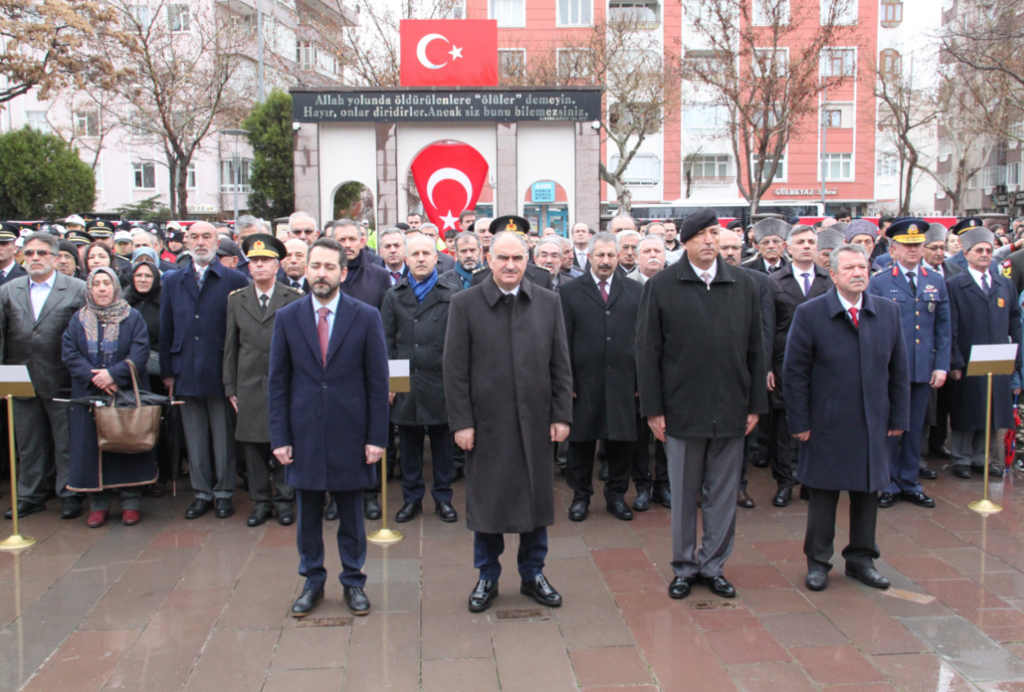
point(203, 606)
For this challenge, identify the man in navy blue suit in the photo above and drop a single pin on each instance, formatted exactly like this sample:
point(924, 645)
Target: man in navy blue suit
point(328, 406)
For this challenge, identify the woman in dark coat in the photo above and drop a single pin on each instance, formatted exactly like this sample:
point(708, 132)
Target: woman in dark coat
point(98, 341)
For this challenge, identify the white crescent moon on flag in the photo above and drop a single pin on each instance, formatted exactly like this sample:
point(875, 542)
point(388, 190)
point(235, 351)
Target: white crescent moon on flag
point(449, 174)
point(421, 51)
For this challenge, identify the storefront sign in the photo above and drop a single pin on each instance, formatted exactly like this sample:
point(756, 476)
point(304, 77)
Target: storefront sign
point(542, 193)
point(794, 192)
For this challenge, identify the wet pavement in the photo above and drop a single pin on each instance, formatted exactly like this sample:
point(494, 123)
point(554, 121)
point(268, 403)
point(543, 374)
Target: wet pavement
point(203, 605)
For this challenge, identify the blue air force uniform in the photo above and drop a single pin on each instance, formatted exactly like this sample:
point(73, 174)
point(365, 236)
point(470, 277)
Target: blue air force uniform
point(923, 301)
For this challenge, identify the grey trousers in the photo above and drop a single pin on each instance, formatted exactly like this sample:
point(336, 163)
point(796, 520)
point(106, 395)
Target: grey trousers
point(131, 497)
point(210, 436)
point(43, 435)
point(266, 478)
point(714, 465)
point(967, 448)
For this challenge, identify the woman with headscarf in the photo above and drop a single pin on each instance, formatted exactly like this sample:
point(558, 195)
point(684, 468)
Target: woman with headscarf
point(99, 341)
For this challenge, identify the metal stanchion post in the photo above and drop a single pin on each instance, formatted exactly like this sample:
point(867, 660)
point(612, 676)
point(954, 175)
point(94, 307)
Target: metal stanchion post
point(15, 541)
point(384, 535)
point(985, 505)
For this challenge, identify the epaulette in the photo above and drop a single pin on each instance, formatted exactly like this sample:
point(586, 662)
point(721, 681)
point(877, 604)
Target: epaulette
point(237, 290)
point(480, 269)
point(924, 272)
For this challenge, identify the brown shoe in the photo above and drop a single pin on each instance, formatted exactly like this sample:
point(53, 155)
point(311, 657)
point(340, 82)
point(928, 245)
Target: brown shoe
point(745, 500)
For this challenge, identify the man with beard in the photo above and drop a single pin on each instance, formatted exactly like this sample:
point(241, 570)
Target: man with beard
point(328, 404)
point(193, 317)
point(500, 328)
point(467, 252)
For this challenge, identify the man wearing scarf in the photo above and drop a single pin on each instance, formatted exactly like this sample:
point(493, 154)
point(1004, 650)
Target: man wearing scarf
point(415, 315)
point(467, 253)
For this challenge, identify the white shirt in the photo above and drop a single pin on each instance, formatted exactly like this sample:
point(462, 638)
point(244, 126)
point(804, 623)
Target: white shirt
point(608, 281)
point(847, 305)
point(581, 257)
point(392, 272)
point(200, 271)
point(269, 294)
point(7, 271)
point(332, 307)
point(916, 270)
point(513, 292)
point(769, 266)
point(39, 293)
point(799, 275)
point(977, 277)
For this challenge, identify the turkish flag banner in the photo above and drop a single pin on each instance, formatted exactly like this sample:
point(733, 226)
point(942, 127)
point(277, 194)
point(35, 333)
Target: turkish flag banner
point(449, 52)
point(449, 177)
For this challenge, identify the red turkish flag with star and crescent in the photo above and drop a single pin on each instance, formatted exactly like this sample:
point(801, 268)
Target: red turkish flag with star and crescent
point(449, 177)
point(449, 52)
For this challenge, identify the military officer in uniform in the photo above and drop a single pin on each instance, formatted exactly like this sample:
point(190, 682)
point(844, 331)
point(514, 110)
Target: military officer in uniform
point(9, 269)
point(250, 326)
point(920, 295)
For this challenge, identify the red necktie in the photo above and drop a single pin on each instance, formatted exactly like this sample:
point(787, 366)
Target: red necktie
point(396, 276)
point(604, 290)
point(853, 316)
point(323, 330)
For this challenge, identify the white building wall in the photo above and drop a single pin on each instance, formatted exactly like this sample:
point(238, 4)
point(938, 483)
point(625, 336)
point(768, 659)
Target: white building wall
point(348, 152)
point(546, 151)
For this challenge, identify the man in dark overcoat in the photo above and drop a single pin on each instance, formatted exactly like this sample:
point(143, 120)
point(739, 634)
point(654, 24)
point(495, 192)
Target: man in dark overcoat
point(791, 287)
point(600, 311)
point(701, 372)
point(847, 390)
point(415, 315)
point(983, 310)
point(328, 406)
point(250, 326)
point(508, 387)
point(193, 319)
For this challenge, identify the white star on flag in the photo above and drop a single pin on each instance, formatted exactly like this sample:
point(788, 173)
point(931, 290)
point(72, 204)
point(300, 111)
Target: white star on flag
point(449, 220)
point(455, 52)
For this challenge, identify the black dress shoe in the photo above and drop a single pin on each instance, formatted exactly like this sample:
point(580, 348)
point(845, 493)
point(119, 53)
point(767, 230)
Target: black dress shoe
point(446, 512)
point(371, 508)
point(664, 496)
point(357, 601)
point(458, 474)
point(979, 469)
point(24, 509)
point(541, 591)
point(483, 596)
point(870, 576)
point(621, 510)
point(919, 499)
point(759, 463)
point(886, 500)
point(962, 471)
point(223, 508)
point(927, 473)
point(306, 602)
point(679, 588)
point(71, 508)
point(331, 513)
point(603, 473)
point(408, 511)
point(642, 503)
point(286, 518)
point(745, 501)
point(198, 508)
point(996, 470)
point(719, 586)
point(578, 510)
point(939, 452)
point(805, 492)
point(782, 497)
point(260, 514)
point(816, 580)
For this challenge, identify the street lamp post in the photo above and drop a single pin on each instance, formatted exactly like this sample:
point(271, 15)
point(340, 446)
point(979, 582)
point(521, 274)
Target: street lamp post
point(236, 163)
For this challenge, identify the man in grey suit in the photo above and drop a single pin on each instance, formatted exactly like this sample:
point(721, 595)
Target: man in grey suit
point(34, 313)
point(250, 326)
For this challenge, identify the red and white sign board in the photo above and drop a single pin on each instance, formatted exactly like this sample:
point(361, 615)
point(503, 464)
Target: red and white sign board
point(449, 52)
point(449, 177)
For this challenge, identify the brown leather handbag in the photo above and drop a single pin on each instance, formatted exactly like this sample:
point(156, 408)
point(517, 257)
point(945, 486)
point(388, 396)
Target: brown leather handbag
point(127, 430)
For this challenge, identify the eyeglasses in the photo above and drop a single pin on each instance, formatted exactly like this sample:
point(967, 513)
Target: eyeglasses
point(305, 231)
point(37, 253)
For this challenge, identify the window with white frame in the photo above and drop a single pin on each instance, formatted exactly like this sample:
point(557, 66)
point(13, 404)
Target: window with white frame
point(769, 61)
point(511, 64)
point(177, 18)
point(886, 164)
point(190, 179)
point(145, 175)
point(641, 14)
point(575, 12)
point(228, 178)
point(706, 119)
point(141, 14)
point(643, 169)
point(707, 166)
point(843, 12)
point(87, 124)
point(837, 166)
point(305, 54)
point(771, 12)
point(574, 64)
point(1013, 173)
point(839, 62)
point(780, 168)
point(37, 121)
point(508, 12)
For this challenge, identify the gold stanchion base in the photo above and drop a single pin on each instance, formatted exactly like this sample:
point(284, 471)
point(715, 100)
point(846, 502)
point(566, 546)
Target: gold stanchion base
point(984, 507)
point(385, 536)
point(17, 542)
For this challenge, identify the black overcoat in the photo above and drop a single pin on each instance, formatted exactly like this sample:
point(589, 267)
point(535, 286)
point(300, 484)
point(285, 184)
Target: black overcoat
point(507, 375)
point(980, 319)
point(787, 296)
point(415, 331)
point(603, 356)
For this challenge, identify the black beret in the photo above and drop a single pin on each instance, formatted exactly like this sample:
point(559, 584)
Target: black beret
point(696, 222)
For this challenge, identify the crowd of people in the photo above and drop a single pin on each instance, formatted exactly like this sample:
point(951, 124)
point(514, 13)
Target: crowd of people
point(834, 354)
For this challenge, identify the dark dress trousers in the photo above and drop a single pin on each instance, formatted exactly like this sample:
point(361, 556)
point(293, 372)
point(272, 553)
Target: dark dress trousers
point(757, 443)
point(192, 329)
point(602, 354)
point(328, 414)
point(246, 369)
point(848, 387)
point(507, 375)
point(938, 405)
point(41, 427)
point(415, 331)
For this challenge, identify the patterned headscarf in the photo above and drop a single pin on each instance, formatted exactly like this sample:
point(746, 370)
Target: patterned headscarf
point(91, 315)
